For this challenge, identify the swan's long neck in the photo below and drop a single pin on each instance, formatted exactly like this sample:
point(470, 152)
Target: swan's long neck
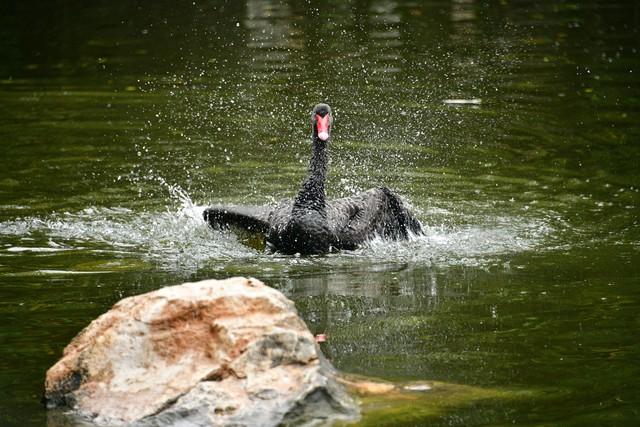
point(312, 194)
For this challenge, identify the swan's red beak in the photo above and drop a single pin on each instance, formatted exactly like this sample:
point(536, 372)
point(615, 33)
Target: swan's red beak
point(324, 126)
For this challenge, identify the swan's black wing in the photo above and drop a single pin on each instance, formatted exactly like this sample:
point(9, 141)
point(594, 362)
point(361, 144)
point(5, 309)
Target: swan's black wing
point(376, 212)
point(249, 218)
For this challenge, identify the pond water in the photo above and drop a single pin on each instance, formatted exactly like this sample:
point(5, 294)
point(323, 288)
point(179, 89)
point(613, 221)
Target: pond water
point(511, 127)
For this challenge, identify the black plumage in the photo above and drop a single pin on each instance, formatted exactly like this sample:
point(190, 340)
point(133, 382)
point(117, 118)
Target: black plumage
point(310, 224)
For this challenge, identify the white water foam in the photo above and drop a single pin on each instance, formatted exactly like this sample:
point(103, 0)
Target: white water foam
point(465, 245)
point(168, 238)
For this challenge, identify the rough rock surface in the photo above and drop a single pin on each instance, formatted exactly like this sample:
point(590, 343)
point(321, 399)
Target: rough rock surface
point(229, 352)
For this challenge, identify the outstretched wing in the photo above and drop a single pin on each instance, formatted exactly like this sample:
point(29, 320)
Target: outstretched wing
point(378, 211)
point(357, 218)
point(249, 218)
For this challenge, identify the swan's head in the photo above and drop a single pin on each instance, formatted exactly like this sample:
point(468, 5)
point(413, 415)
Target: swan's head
point(321, 121)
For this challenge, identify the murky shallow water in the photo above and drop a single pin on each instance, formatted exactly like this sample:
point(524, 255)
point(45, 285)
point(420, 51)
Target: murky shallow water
point(510, 127)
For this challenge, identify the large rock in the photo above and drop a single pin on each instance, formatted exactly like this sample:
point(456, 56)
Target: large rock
point(229, 352)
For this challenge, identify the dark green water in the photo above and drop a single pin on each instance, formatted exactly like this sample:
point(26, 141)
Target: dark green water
point(120, 121)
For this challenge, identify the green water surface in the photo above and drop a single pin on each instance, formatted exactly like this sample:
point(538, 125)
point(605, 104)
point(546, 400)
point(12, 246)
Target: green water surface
point(511, 127)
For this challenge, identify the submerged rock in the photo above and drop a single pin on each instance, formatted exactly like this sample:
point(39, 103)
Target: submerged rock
point(229, 352)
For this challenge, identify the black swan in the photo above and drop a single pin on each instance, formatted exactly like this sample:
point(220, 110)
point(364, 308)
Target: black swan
point(311, 224)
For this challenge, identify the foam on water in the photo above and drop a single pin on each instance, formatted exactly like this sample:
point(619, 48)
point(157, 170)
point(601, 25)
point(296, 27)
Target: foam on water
point(466, 245)
point(34, 249)
point(168, 238)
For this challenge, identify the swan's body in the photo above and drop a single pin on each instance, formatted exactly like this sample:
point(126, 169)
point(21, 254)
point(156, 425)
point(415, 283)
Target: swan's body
point(310, 224)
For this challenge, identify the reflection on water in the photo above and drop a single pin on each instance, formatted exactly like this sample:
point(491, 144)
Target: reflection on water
point(511, 127)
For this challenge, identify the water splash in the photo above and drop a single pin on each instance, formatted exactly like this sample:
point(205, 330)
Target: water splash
point(169, 239)
point(471, 245)
point(179, 238)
